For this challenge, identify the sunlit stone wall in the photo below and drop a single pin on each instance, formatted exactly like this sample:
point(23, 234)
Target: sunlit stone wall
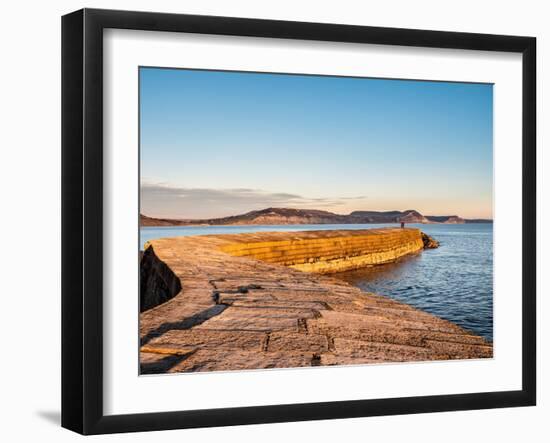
point(329, 251)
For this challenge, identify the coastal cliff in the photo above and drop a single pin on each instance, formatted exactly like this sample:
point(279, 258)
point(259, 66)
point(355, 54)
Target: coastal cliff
point(245, 304)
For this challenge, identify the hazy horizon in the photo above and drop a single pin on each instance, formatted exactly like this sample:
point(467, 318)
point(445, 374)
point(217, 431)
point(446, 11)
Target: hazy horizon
point(214, 144)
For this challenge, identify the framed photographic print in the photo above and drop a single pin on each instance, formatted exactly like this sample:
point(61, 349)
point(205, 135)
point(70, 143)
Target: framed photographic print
point(269, 221)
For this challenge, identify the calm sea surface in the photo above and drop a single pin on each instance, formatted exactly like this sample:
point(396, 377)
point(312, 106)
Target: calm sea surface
point(454, 282)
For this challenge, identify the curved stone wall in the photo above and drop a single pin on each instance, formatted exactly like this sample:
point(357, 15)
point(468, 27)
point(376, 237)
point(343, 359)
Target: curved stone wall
point(328, 251)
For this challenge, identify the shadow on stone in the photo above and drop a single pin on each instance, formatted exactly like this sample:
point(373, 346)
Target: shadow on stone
point(186, 323)
point(158, 283)
point(163, 365)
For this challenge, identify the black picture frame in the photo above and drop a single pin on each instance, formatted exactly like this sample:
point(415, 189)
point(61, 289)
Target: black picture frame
point(82, 220)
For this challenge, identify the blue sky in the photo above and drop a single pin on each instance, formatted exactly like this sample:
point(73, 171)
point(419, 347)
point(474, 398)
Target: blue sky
point(221, 143)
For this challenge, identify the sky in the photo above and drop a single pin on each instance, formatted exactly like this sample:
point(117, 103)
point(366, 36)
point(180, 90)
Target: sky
point(215, 143)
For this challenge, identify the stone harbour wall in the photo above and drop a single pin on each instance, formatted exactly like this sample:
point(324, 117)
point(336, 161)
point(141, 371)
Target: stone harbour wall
point(329, 251)
point(240, 312)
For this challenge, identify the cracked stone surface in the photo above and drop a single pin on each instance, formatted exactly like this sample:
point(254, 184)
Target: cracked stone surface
point(236, 311)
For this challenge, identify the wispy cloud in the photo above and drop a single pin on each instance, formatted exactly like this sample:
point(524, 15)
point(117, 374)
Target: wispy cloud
point(165, 200)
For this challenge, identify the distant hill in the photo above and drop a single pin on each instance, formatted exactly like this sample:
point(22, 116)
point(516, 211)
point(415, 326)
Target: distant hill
point(450, 219)
point(408, 216)
point(290, 216)
point(151, 221)
point(479, 220)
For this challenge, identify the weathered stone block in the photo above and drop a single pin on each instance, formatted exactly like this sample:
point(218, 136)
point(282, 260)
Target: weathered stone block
point(279, 341)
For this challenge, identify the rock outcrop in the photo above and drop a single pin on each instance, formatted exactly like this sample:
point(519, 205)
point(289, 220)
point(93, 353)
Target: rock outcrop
point(429, 242)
